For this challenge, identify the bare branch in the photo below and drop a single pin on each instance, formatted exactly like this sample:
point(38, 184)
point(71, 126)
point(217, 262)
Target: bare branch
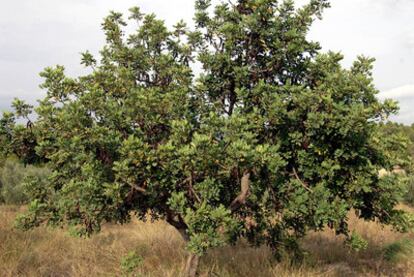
point(189, 180)
point(140, 189)
point(244, 191)
point(132, 193)
point(300, 181)
point(220, 165)
point(192, 188)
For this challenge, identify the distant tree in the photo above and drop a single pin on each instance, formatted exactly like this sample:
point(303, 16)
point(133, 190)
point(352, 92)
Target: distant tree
point(17, 139)
point(399, 139)
point(271, 140)
point(398, 129)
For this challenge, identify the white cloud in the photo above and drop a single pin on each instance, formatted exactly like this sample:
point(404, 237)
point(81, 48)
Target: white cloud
point(403, 92)
point(405, 97)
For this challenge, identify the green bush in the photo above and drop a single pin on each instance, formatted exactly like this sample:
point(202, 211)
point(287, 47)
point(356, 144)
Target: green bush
point(12, 176)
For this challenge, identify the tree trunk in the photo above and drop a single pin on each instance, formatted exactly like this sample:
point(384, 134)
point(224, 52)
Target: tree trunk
point(191, 265)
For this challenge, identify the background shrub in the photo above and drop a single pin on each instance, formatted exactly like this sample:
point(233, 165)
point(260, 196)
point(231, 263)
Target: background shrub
point(409, 197)
point(399, 250)
point(12, 176)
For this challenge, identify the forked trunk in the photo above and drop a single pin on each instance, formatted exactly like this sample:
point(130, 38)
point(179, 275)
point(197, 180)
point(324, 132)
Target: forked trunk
point(191, 265)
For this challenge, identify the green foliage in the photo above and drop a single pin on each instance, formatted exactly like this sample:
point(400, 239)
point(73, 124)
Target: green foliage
point(130, 263)
point(356, 242)
point(399, 250)
point(272, 139)
point(12, 181)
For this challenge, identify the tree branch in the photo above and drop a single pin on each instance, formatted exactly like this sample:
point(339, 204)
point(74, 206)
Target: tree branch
point(140, 189)
point(131, 196)
point(189, 180)
point(244, 191)
point(300, 181)
point(193, 192)
point(178, 223)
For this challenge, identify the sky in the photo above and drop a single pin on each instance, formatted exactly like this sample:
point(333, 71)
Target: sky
point(36, 34)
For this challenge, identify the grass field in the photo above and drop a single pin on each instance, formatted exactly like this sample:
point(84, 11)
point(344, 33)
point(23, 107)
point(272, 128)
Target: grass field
point(160, 252)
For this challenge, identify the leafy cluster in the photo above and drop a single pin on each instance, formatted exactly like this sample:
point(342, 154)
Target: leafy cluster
point(273, 138)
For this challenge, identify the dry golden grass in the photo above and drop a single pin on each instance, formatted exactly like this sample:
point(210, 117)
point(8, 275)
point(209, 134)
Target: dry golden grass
point(45, 252)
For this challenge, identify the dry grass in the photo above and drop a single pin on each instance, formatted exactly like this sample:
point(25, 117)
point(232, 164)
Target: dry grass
point(45, 252)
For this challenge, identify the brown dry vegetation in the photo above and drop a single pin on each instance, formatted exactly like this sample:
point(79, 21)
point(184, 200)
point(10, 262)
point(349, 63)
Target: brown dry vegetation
point(46, 252)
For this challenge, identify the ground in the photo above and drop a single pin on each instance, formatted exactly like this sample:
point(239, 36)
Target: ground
point(157, 250)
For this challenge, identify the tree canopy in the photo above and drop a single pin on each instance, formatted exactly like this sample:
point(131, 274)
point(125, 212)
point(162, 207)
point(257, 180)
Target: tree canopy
point(269, 139)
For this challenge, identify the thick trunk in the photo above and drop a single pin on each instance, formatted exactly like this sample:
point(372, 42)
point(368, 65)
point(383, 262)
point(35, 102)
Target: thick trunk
point(191, 265)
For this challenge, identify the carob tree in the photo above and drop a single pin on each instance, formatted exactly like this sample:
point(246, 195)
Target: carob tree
point(268, 139)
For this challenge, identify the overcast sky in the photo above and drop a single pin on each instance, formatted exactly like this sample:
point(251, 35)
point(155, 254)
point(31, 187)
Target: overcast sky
point(36, 34)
